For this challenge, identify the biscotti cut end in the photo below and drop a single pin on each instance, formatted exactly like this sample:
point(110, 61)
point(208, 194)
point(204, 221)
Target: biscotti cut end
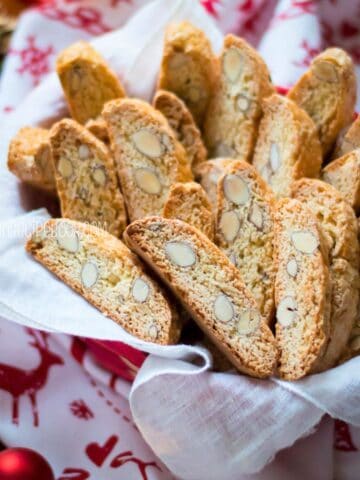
point(102, 269)
point(348, 140)
point(210, 288)
point(87, 81)
point(98, 128)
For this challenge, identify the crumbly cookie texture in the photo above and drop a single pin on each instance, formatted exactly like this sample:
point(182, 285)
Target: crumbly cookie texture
point(208, 174)
point(29, 158)
point(348, 139)
point(245, 230)
point(302, 290)
point(234, 112)
point(344, 174)
point(288, 146)
point(87, 81)
point(97, 127)
point(327, 92)
point(85, 176)
point(102, 269)
point(183, 125)
point(339, 225)
point(210, 288)
point(188, 202)
point(149, 158)
point(188, 67)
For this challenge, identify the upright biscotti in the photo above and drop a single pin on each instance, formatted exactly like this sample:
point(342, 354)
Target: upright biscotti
point(87, 81)
point(210, 288)
point(188, 202)
point(245, 230)
point(302, 290)
point(234, 112)
point(327, 92)
point(149, 159)
point(288, 146)
point(102, 269)
point(29, 158)
point(183, 125)
point(85, 177)
point(339, 224)
point(348, 140)
point(188, 67)
point(344, 174)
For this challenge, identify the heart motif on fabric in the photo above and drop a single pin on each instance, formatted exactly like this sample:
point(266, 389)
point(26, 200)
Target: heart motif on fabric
point(97, 453)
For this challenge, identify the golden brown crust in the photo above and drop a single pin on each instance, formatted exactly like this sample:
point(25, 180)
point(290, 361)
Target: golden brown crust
point(98, 128)
point(327, 92)
point(29, 158)
point(288, 147)
point(348, 140)
point(87, 81)
point(188, 202)
point(210, 288)
point(188, 67)
point(234, 112)
point(115, 282)
point(148, 157)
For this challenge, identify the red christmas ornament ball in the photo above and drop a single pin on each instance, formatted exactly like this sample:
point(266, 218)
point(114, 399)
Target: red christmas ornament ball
point(24, 464)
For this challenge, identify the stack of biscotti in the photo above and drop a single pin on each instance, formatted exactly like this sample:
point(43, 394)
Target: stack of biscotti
point(238, 201)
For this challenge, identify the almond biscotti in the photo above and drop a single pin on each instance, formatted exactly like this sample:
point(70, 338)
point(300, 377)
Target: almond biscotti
point(29, 158)
point(85, 176)
point(182, 123)
point(210, 288)
point(339, 225)
point(98, 128)
point(348, 140)
point(87, 81)
point(245, 230)
point(302, 290)
point(344, 174)
point(149, 159)
point(102, 269)
point(234, 112)
point(188, 67)
point(327, 92)
point(188, 202)
point(288, 146)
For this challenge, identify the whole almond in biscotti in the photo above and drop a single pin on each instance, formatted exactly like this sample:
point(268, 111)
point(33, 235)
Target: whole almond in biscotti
point(188, 202)
point(98, 128)
point(149, 159)
point(288, 147)
point(183, 125)
point(85, 176)
point(327, 92)
point(339, 225)
point(29, 158)
point(87, 81)
point(348, 140)
point(302, 290)
point(188, 67)
point(234, 112)
point(344, 174)
point(103, 270)
point(245, 230)
point(210, 288)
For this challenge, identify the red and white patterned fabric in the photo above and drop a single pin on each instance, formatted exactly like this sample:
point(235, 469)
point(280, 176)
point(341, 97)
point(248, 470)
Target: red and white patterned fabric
point(54, 396)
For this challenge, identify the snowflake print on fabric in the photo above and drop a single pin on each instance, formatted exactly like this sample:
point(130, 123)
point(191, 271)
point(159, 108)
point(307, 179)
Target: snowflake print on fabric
point(343, 440)
point(80, 410)
point(308, 54)
point(210, 6)
point(296, 9)
point(35, 61)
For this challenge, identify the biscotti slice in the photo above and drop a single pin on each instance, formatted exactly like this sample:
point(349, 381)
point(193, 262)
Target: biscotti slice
point(29, 158)
point(148, 157)
point(208, 174)
point(85, 176)
point(104, 271)
point(327, 92)
point(339, 224)
point(210, 288)
point(302, 290)
point(188, 202)
point(344, 174)
point(87, 81)
point(234, 112)
point(288, 146)
point(182, 123)
point(98, 128)
point(348, 140)
point(245, 230)
point(188, 67)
